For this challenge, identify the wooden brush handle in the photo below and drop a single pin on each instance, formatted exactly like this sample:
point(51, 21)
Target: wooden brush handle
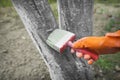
point(93, 55)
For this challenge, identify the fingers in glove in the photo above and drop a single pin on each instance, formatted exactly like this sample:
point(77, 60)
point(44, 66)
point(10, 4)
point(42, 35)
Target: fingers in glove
point(87, 57)
point(72, 51)
point(90, 61)
point(79, 55)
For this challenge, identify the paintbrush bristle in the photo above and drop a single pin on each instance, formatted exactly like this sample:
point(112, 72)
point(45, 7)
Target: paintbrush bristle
point(58, 39)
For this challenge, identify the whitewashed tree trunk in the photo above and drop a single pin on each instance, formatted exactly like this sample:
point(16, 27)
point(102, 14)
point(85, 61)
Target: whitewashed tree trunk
point(74, 16)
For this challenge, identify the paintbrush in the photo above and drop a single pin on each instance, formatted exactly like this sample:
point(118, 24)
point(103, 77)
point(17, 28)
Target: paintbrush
point(59, 40)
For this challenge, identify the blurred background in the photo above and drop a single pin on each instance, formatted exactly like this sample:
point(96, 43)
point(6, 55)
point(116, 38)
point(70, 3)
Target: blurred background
point(20, 60)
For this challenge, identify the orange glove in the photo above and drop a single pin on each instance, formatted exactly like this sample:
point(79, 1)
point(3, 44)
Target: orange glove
point(110, 43)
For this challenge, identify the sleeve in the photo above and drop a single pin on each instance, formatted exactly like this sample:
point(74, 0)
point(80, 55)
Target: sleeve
point(114, 34)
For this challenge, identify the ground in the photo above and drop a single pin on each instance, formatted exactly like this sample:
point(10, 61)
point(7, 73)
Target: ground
point(20, 60)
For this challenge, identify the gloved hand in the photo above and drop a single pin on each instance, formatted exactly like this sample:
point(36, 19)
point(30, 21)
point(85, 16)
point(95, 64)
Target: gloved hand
point(108, 44)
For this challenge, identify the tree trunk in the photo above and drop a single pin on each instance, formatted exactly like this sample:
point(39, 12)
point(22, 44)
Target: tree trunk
point(75, 16)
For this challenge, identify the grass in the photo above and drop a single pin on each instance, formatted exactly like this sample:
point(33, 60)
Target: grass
point(53, 6)
point(113, 24)
point(108, 62)
point(105, 64)
point(5, 3)
point(52, 1)
point(107, 1)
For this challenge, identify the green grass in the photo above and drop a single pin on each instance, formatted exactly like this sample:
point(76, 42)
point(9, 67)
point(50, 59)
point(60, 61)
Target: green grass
point(108, 1)
point(108, 62)
point(5, 3)
point(105, 64)
point(113, 24)
point(52, 1)
point(54, 9)
point(110, 25)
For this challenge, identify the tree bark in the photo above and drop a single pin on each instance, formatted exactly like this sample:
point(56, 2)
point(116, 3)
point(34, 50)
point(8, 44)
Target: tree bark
point(75, 16)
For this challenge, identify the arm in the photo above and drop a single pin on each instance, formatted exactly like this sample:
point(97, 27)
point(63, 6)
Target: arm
point(108, 44)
